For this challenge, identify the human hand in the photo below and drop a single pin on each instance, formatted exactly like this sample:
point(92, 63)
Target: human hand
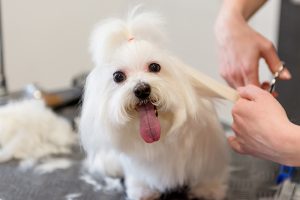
point(262, 128)
point(240, 49)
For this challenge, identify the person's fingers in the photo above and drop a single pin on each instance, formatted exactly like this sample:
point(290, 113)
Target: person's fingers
point(269, 53)
point(230, 71)
point(252, 79)
point(237, 81)
point(232, 77)
point(233, 82)
point(275, 94)
point(265, 85)
point(285, 74)
point(235, 145)
point(240, 108)
point(234, 126)
point(249, 92)
point(250, 74)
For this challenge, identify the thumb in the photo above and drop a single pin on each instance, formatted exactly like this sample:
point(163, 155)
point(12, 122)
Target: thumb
point(249, 92)
point(270, 55)
point(235, 145)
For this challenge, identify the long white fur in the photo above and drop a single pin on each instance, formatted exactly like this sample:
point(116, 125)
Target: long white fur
point(192, 149)
point(29, 131)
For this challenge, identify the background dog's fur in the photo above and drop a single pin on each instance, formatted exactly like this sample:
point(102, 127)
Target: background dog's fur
point(30, 131)
point(191, 150)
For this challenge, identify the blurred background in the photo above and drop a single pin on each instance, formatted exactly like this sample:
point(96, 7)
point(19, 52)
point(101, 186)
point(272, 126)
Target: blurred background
point(46, 42)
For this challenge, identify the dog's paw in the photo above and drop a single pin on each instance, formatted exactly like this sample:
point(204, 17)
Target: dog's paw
point(144, 198)
point(137, 190)
point(143, 194)
point(211, 191)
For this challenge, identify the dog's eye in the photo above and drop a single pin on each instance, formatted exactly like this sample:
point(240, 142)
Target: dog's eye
point(119, 76)
point(154, 67)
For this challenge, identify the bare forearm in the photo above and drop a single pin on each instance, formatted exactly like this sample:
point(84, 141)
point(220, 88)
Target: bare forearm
point(245, 8)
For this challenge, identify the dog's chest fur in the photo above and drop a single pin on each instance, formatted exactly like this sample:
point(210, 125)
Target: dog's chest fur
point(180, 157)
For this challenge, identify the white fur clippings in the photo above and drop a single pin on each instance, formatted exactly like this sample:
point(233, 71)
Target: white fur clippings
point(184, 145)
point(29, 131)
point(73, 196)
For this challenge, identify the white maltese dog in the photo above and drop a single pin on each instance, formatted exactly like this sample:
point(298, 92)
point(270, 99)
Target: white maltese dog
point(146, 118)
point(31, 131)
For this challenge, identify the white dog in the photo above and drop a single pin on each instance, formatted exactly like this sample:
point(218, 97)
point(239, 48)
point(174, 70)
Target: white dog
point(30, 131)
point(146, 118)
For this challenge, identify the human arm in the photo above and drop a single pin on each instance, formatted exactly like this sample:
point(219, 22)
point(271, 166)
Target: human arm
point(245, 8)
point(240, 47)
point(262, 128)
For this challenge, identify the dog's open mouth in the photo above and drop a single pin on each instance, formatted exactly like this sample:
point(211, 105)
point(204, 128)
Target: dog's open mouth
point(149, 123)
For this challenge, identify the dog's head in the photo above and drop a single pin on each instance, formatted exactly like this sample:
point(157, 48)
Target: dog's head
point(136, 79)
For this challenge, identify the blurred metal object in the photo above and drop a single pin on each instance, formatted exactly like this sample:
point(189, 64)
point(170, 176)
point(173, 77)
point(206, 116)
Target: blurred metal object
point(3, 87)
point(3, 90)
point(55, 99)
point(30, 91)
point(288, 191)
point(276, 76)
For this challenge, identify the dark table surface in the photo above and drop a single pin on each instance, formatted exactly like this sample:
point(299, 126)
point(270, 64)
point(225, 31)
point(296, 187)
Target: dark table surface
point(250, 179)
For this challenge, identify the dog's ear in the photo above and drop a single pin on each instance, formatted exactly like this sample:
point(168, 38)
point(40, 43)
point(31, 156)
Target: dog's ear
point(109, 35)
point(205, 86)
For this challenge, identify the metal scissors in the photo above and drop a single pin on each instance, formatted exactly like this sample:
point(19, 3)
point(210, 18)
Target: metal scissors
point(275, 77)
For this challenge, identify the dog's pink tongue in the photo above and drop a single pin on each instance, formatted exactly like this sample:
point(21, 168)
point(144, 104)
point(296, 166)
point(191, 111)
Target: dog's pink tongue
point(149, 123)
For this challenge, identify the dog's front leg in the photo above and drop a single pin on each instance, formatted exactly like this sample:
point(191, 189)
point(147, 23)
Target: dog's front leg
point(213, 190)
point(138, 190)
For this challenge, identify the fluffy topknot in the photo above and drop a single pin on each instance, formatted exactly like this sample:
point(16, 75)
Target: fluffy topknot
point(112, 33)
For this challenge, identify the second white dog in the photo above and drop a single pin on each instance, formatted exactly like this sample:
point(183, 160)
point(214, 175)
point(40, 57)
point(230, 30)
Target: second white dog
point(146, 118)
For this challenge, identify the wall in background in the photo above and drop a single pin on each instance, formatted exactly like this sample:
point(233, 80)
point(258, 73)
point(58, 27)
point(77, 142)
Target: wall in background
point(46, 42)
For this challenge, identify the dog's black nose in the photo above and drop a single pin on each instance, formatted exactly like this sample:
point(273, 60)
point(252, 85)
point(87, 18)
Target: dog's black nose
point(142, 90)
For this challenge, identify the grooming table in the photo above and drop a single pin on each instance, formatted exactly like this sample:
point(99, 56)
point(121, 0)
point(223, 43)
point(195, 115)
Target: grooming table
point(250, 179)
